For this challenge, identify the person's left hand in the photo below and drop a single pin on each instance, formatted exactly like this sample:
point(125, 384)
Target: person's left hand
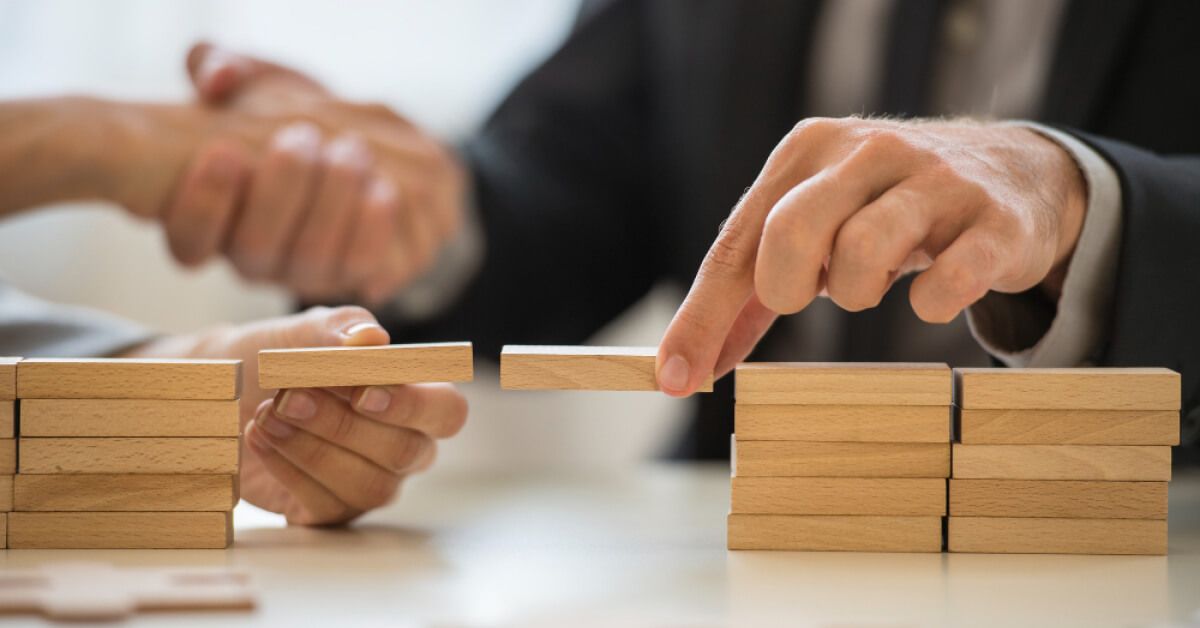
point(324, 456)
point(843, 207)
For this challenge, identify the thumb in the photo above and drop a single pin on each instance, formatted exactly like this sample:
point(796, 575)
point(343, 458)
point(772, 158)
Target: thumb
point(347, 326)
point(216, 72)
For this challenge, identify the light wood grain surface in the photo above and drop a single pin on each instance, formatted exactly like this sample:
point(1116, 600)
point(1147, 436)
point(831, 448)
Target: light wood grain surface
point(8, 378)
point(913, 497)
point(843, 423)
point(8, 427)
point(836, 383)
point(119, 530)
point(6, 493)
point(834, 533)
point(8, 456)
point(3, 530)
point(129, 417)
point(129, 455)
point(1068, 388)
point(1069, 427)
point(101, 378)
point(1056, 536)
point(321, 367)
point(573, 367)
point(1063, 462)
point(1065, 499)
point(125, 493)
point(815, 459)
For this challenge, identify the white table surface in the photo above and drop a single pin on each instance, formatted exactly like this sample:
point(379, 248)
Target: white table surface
point(647, 548)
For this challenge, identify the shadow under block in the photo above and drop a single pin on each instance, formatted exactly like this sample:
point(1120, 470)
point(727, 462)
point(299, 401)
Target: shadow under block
point(839, 496)
point(120, 530)
point(101, 378)
point(999, 535)
point(129, 455)
point(8, 424)
point(8, 456)
point(125, 493)
point(1149, 463)
point(834, 533)
point(764, 458)
point(574, 367)
point(6, 493)
point(1064, 499)
point(1067, 388)
point(129, 417)
point(365, 366)
point(8, 378)
point(1069, 427)
point(843, 423)
point(832, 383)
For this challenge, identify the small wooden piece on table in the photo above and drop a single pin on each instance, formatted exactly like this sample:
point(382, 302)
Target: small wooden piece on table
point(834, 533)
point(120, 530)
point(911, 497)
point(537, 367)
point(125, 493)
point(116, 378)
point(322, 367)
point(1000, 535)
point(1062, 499)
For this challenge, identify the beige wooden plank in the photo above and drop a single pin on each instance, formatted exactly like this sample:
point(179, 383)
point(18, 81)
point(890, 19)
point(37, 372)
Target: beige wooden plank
point(912, 497)
point(1000, 535)
point(125, 493)
point(6, 493)
point(834, 533)
point(129, 455)
point(843, 423)
point(129, 417)
point(8, 378)
point(321, 367)
point(8, 423)
point(114, 378)
point(3, 530)
point(758, 458)
point(8, 456)
point(1065, 499)
point(120, 530)
point(1068, 388)
point(1069, 427)
point(572, 367)
point(1150, 463)
point(843, 383)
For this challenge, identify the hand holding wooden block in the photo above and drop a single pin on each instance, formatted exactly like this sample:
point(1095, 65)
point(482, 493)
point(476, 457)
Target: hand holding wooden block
point(538, 367)
point(324, 367)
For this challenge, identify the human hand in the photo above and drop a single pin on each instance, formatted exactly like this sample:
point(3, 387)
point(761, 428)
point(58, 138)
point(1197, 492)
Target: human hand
point(843, 207)
point(324, 456)
point(351, 200)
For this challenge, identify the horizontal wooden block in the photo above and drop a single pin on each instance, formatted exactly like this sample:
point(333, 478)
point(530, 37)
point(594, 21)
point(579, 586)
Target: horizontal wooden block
point(834, 533)
point(104, 378)
point(8, 378)
point(125, 493)
point(1149, 463)
point(129, 455)
point(1068, 388)
point(323, 367)
point(8, 423)
point(6, 493)
point(547, 367)
point(758, 458)
point(129, 417)
point(839, 496)
point(833, 383)
point(843, 423)
point(8, 456)
point(120, 530)
point(1069, 427)
point(1065, 499)
point(1000, 535)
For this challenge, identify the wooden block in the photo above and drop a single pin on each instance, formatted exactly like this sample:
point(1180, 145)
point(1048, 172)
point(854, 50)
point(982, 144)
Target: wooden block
point(1063, 462)
point(1069, 427)
point(129, 417)
point(758, 458)
point(6, 493)
point(1065, 499)
point(3, 530)
point(839, 496)
point(834, 383)
point(125, 493)
point(8, 378)
point(120, 530)
point(129, 455)
point(1000, 535)
point(1068, 388)
point(843, 423)
point(8, 423)
point(322, 367)
point(105, 378)
point(8, 456)
point(529, 367)
point(834, 533)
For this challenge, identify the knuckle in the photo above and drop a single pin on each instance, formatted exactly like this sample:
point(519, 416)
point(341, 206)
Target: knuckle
point(407, 451)
point(344, 427)
point(375, 490)
point(858, 242)
point(810, 129)
point(311, 453)
point(960, 280)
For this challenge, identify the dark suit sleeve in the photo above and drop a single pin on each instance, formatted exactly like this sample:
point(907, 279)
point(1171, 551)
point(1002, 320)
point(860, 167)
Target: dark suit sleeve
point(560, 183)
point(1156, 317)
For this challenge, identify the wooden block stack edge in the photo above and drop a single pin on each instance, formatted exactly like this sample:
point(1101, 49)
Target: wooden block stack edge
point(8, 443)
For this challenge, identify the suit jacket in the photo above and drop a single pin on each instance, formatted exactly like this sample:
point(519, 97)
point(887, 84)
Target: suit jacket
point(608, 169)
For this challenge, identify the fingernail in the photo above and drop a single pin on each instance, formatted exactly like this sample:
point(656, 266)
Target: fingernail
point(275, 427)
point(674, 374)
point(297, 404)
point(359, 328)
point(374, 399)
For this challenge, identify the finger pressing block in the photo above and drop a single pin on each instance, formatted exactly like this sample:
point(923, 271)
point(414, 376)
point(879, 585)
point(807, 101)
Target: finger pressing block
point(323, 367)
point(526, 367)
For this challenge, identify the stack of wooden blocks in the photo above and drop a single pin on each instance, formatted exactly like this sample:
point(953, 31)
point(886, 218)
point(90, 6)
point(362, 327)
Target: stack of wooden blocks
point(850, 457)
point(1063, 460)
point(121, 453)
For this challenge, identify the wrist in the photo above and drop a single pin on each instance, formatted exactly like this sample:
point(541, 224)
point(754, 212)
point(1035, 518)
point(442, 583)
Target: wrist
point(1069, 194)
